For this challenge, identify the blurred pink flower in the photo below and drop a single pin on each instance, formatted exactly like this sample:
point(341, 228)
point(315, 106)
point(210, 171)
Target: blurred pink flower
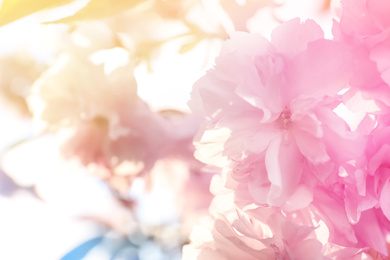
point(178, 171)
point(100, 117)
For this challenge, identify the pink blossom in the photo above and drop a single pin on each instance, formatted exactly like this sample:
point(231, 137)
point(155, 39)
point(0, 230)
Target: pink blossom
point(365, 25)
point(373, 195)
point(261, 233)
point(270, 114)
point(365, 21)
point(367, 232)
point(364, 189)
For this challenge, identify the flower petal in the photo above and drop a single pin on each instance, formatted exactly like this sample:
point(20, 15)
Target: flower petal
point(297, 35)
point(324, 68)
point(284, 167)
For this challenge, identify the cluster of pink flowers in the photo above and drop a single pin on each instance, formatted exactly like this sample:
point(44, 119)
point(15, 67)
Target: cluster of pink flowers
point(291, 133)
point(292, 161)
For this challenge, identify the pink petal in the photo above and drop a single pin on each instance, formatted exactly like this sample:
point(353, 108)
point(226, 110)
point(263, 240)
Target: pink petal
point(341, 144)
point(381, 55)
point(384, 199)
point(284, 167)
point(380, 157)
point(379, 10)
point(302, 197)
point(259, 142)
point(311, 147)
point(355, 19)
point(308, 249)
point(369, 232)
point(324, 68)
point(210, 145)
point(332, 212)
point(292, 37)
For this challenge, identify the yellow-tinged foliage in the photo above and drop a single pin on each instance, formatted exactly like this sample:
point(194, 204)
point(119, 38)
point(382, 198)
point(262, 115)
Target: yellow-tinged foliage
point(12, 10)
point(97, 9)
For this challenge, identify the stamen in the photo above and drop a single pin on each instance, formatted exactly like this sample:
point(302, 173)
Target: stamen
point(284, 120)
